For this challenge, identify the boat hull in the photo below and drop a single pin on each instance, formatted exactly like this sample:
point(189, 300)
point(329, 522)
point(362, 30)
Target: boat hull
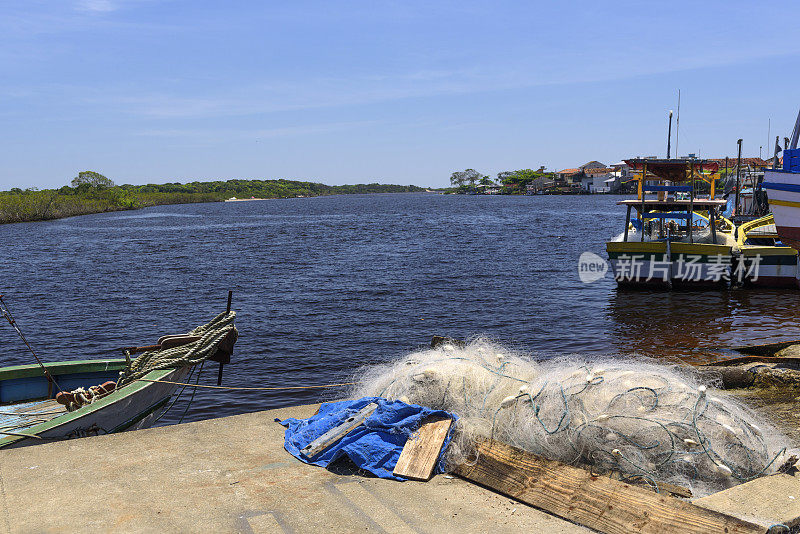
point(133, 407)
point(767, 266)
point(783, 190)
point(682, 265)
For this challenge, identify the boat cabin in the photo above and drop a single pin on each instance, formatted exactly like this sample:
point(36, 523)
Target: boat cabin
point(680, 236)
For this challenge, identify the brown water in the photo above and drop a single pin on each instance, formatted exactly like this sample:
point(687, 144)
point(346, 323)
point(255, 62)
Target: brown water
point(693, 326)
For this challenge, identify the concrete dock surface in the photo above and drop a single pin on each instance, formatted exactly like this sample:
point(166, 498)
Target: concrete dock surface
point(232, 474)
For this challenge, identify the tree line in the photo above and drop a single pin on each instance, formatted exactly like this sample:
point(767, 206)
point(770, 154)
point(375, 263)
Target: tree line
point(511, 181)
point(91, 192)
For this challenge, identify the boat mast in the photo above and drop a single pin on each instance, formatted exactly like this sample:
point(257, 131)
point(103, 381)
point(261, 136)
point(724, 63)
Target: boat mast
point(669, 133)
point(738, 172)
point(795, 132)
point(678, 123)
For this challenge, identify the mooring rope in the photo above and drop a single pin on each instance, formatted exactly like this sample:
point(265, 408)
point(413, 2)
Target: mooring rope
point(186, 384)
point(190, 354)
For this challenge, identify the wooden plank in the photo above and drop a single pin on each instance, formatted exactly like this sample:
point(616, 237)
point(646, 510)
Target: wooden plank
point(418, 459)
point(597, 502)
point(767, 500)
point(338, 432)
point(658, 486)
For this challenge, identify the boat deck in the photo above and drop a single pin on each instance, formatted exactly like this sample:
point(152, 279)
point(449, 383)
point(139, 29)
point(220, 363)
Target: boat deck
point(20, 416)
point(767, 230)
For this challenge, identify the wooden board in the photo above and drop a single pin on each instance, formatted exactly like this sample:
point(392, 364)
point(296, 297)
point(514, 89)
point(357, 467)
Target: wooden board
point(418, 459)
point(338, 432)
point(598, 502)
point(660, 485)
point(769, 500)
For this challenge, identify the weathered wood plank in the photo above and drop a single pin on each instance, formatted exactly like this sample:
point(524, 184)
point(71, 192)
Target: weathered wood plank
point(659, 487)
point(338, 432)
point(418, 459)
point(767, 500)
point(597, 502)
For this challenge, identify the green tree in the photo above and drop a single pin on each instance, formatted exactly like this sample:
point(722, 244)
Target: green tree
point(467, 176)
point(94, 179)
point(518, 179)
point(505, 177)
point(525, 176)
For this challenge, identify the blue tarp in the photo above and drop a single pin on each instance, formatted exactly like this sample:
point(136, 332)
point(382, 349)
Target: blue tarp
point(373, 446)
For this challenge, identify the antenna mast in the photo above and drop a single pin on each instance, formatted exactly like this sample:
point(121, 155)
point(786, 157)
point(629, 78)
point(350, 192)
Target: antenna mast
point(678, 124)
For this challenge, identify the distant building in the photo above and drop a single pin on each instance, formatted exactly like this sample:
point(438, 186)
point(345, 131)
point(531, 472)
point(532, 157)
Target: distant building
point(567, 174)
point(597, 171)
point(540, 184)
point(592, 165)
point(753, 163)
point(488, 189)
point(623, 169)
point(772, 159)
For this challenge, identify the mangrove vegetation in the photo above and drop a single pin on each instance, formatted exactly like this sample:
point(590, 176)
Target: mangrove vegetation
point(91, 192)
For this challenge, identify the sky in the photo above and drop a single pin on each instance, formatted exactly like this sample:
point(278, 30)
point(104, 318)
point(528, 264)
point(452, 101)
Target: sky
point(149, 91)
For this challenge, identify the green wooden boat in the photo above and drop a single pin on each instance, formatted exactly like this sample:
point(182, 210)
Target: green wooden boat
point(30, 414)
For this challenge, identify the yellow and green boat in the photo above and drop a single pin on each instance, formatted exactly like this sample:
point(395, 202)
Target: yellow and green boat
point(764, 260)
point(677, 239)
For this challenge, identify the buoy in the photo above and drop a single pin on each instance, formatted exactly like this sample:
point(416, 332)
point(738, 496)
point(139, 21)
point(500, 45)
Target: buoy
point(508, 401)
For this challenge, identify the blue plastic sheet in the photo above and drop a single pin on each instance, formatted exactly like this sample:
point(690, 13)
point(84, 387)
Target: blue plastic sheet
point(374, 446)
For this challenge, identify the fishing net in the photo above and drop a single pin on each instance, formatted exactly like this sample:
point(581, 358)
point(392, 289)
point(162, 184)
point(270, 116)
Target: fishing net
point(655, 422)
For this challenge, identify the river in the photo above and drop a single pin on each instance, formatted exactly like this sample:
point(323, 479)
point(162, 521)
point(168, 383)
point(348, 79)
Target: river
point(325, 285)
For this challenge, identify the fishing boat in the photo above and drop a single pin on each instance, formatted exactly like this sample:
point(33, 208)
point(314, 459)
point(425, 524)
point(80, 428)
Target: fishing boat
point(763, 259)
point(783, 189)
point(673, 242)
point(54, 401)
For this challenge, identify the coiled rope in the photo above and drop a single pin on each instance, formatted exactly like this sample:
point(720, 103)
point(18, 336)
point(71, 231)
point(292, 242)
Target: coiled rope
point(211, 335)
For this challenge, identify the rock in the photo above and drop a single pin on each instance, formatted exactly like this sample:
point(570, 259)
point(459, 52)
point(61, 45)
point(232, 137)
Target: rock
point(792, 351)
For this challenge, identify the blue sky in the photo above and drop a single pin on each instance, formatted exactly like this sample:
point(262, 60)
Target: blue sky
point(389, 91)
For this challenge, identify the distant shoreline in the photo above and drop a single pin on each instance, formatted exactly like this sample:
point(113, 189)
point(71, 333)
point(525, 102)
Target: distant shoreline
point(38, 206)
point(49, 205)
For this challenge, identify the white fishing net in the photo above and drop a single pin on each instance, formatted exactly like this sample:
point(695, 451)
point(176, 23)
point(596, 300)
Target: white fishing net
point(655, 422)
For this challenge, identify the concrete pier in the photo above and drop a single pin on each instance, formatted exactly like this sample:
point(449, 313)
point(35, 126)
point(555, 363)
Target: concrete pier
point(233, 475)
